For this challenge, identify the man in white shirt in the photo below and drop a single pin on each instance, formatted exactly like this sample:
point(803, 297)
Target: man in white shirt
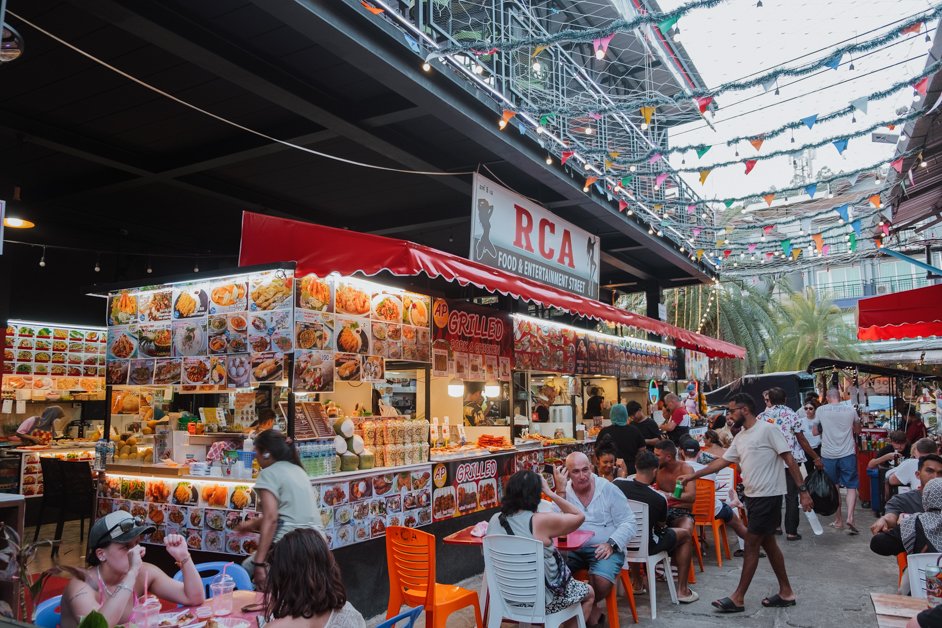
point(760, 449)
point(610, 519)
point(839, 424)
point(905, 473)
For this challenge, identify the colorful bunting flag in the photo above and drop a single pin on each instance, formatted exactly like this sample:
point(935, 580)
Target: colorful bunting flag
point(703, 176)
point(545, 118)
point(728, 202)
point(626, 181)
point(654, 158)
point(768, 199)
point(768, 255)
point(699, 254)
point(825, 249)
point(878, 241)
point(810, 120)
point(622, 205)
point(608, 164)
point(595, 116)
point(818, 241)
point(811, 189)
point(703, 102)
point(703, 151)
point(840, 145)
point(647, 113)
point(412, 43)
point(697, 231)
point(835, 61)
point(369, 7)
point(507, 115)
point(860, 104)
point(796, 253)
point(589, 181)
point(727, 253)
point(691, 209)
point(921, 85)
point(660, 179)
point(614, 154)
point(768, 229)
point(885, 228)
point(852, 179)
point(909, 173)
point(852, 242)
point(601, 44)
point(842, 211)
point(912, 29)
point(769, 84)
point(538, 49)
point(787, 247)
point(521, 127)
point(565, 155)
point(751, 247)
point(757, 142)
point(875, 200)
point(750, 164)
point(897, 165)
point(666, 25)
point(856, 226)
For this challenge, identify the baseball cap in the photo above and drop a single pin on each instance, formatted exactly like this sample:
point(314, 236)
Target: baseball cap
point(690, 446)
point(116, 527)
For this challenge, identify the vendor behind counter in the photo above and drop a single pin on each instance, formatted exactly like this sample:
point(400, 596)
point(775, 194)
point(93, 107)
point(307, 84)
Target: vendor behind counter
point(33, 429)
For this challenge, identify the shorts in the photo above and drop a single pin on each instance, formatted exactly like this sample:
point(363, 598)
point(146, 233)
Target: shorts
point(765, 514)
point(666, 542)
point(673, 514)
point(584, 558)
point(725, 514)
point(842, 471)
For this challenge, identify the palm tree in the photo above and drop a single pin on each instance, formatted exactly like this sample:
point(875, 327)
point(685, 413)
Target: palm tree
point(810, 326)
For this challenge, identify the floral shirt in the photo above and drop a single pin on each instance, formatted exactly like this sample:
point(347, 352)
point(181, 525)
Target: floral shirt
point(787, 420)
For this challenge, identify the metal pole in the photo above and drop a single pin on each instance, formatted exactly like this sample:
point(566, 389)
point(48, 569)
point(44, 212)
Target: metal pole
point(289, 360)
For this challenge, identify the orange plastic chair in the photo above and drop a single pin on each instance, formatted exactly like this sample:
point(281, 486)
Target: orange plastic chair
point(611, 602)
point(737, 479)
point(704, 508)
point(901, 562)
point(410, 558)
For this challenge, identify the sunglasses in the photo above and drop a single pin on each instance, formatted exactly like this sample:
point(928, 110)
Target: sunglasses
point(126, 526)
point(809, 407)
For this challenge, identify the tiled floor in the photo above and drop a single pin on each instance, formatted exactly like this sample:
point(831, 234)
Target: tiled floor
point(71, 550)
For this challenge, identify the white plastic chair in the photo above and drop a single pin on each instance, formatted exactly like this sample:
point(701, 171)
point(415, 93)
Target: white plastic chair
point(916, 568)
point(517, 583)
point(637, 552)
point(724, 482)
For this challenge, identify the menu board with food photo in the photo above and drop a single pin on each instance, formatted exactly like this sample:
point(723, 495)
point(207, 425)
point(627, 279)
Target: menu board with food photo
point(55, 352)
point(481, 335)
point(313, 331)
point(465, 487)
point(314, 371)
point(270, 290)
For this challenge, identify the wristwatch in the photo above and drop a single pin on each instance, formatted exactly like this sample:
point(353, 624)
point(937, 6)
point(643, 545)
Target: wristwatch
point(613, 544)
point(802, 488)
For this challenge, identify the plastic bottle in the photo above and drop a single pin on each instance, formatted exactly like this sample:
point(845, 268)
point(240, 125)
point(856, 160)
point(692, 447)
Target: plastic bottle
point(814, 523)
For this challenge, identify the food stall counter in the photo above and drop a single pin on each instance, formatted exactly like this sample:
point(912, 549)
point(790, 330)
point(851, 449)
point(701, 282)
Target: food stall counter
point(21, 471)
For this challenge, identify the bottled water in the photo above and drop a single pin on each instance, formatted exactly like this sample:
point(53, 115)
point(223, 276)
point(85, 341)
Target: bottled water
point(814, 523)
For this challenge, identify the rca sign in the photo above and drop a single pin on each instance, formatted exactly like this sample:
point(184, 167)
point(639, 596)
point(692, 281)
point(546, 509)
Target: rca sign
point(511, 233)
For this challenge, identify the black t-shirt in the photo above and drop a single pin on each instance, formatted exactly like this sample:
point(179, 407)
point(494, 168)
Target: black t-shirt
point(649, 429)
point(628, 441)
point(889, 450)
point(657, 505)
point(593, 407)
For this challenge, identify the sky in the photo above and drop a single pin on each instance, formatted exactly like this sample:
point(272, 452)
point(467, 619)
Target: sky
point(737, 39)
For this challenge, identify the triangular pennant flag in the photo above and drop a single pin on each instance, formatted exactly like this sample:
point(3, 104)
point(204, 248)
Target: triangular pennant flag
point(728, 228)
point(768, 198)
point(887, 214)
point(691, 208)
point(860, 104)
point(856, 226)
point(852, 179)
point(660, 179)
point(646, 113)
point(565, 155)
point(878, 242)
point(601, 44)
point(521, 126)
point(757, 142)
point(703, 176)
point(840, 145)
point(834, 61)
point(912, 28)
point(787, 247)
point(546, 117)
point(767, 229)
point(654, 158)
point(897, 165)
point(875, 200)
point(818, 241)
point(842, 211)
point(750, 164)
point(666, 25)
point(538, 49)
point(825, 249)
point(921, 85)
point(909, 173)
point(613, 154)
point(810, 120)
point(703, 102)
point(852, 241)
point(626, 181)
point(507, 115)
point(796, 253)
point(728, 202)
point(595, 116)
point(412, 43)
point(752, 247)
point(810, 189)
point(885, 228)
point(622, 205)
point(369, 7)
point(600, 188)
point(699, 254)
point(768, 256)
point(727, 253)
point(697, 232)
point(769, 84)
point(608, 164)
point(702, 150)
point(589, 181)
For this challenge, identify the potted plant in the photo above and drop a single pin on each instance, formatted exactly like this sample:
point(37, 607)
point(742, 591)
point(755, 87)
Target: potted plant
point(15, 560)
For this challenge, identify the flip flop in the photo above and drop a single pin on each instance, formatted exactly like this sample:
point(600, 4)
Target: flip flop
point(836, 527)
point(775, 601)
point(851, 530)
point(740, 553)
point(793, 537)
point(726, 605)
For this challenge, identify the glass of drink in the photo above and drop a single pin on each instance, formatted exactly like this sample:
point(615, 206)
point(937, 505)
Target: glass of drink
point(220, 590)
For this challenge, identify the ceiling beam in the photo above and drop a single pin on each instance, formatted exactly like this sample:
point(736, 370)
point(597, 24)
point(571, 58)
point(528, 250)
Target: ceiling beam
point(179, 36)
point(420, 226)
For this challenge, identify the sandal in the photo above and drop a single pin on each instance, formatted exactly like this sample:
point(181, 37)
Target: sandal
point(726, 605)
point(835, 526)
point(776, 601)
point(792, 537)
point(740, 553)
point(851, 530)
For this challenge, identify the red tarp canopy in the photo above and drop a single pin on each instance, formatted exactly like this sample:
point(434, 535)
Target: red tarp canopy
point(908, 314)
point(324, 250)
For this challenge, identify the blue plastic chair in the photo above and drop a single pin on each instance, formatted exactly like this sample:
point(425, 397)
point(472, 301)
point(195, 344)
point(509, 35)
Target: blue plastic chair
point(236, 571)
point(410, 615)
point(48, 612)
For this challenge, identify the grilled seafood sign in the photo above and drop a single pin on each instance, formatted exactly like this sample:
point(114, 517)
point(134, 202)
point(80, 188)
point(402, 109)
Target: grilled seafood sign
point(475, 470)
point(461, 323)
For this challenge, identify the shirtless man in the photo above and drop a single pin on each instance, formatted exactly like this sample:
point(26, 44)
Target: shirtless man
point(679, 513)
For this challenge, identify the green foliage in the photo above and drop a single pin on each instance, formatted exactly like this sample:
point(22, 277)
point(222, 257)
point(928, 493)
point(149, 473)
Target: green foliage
point(810, 326)
point(94, 620)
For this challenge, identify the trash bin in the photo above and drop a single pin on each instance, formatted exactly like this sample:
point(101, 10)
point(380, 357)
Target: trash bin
point(876, 491)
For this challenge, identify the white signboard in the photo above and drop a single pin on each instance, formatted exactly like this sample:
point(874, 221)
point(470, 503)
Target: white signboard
point(697, 365)
point(511, 233)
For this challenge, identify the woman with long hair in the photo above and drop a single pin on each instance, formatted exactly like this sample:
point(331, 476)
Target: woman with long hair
point(812, 429)
point(607, 460)
point(45, 422)
point(712, 448)
point(285, 499)
point(518, 517)
point(305, 588)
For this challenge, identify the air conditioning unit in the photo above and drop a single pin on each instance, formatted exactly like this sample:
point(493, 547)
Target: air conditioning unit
point(883, 289)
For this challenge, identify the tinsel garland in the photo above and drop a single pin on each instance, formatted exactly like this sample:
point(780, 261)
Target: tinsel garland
point(575, 35)
point(912, 115)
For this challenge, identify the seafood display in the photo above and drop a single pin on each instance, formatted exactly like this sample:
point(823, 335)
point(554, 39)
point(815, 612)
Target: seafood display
point(314, 293)
point(314, 371)
point(122, 308)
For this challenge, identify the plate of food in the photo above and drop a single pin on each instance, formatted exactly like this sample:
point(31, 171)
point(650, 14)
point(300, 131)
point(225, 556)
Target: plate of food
point(141, 372)
point(194, 539)
point(185, 494)
point(314, 293)
point(443, 504)
point(382, 484)
point(218, 344)
point(215, 495)
point(327, 517)
point(233, 519)
point(156, 514)
point(315, 334)
point(158, 491)
point(213, 541)
point(217, 371)
point(343, 514)
point(242, 497)
point(270, 291)
point(154, 306)
point(237, 344)
point(122, 344)
point(282, 343)
point(217, 324)
point(228, 295)
point(374, 368)
point(259, 342)
point(122, 309)
point(238, 370)
point(313, 371)
point(195, 517)
point(167, 371)
point(177, 515)
point(415, 310)
point(215, 519)
point(233, 544)
point(349, 299)
point(352, 336)
point(347, 367)
point(336, 494)
point(249, 544)
point(387, 307)
point(189, 339)
point(345, 536)
point(190, 302)
point(236, 323)
point(267, 367)
point(196, 370)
